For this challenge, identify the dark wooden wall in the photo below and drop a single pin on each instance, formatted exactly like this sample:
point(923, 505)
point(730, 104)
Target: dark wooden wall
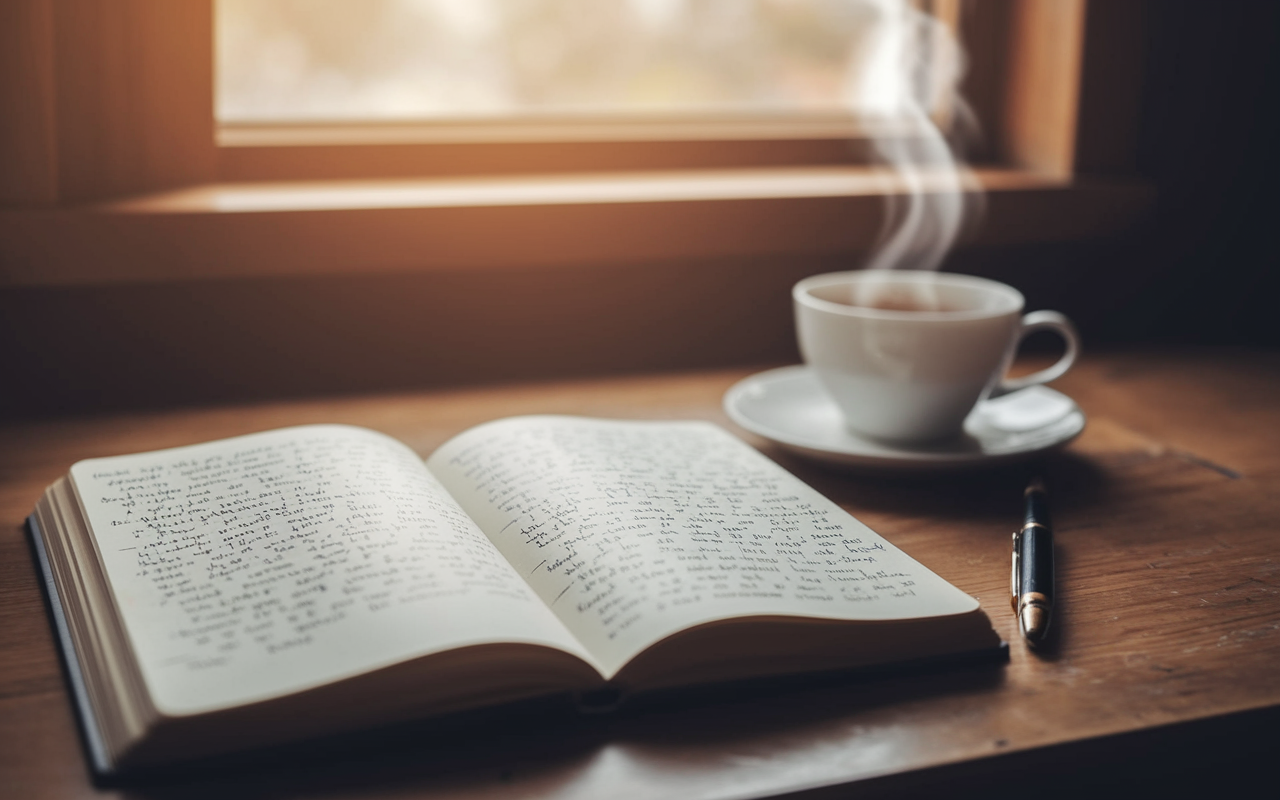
point(1205, 267)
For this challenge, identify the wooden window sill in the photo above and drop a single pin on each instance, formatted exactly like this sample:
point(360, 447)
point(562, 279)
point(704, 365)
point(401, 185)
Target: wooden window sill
point(405, 226)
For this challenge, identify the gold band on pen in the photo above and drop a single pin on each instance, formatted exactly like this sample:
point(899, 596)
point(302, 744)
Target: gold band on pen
point(1034, 599)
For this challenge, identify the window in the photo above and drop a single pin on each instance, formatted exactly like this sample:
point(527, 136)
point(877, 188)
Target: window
point(504, 85)
point(398, 60)
point(113, 103)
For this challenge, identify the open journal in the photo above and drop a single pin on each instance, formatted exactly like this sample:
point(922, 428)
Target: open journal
point(316, 579)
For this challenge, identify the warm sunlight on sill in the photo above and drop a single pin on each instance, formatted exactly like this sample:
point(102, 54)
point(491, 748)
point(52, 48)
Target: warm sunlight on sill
point(647, 187)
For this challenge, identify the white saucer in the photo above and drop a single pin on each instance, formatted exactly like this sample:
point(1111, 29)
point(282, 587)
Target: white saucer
point(788, 406)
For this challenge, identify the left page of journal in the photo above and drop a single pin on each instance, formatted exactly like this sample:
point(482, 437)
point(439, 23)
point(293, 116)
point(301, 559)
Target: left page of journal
point(255, 567)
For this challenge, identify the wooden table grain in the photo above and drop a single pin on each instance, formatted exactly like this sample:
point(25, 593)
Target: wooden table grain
point(1163, 674)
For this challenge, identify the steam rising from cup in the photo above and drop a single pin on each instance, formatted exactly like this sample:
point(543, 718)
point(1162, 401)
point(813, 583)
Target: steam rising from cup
point(903, 75)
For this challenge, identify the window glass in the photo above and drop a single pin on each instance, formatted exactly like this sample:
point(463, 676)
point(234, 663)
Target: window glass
point(371, 60)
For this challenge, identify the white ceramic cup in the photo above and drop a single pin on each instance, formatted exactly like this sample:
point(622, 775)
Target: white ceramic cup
point(907, 355)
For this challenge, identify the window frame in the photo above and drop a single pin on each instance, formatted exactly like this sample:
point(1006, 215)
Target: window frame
point(120, 157)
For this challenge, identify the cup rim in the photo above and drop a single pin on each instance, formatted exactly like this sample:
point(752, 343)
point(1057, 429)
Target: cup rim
point(801, 295)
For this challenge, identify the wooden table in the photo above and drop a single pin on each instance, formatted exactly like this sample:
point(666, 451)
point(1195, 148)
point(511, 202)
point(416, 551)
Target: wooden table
point(1165, 672)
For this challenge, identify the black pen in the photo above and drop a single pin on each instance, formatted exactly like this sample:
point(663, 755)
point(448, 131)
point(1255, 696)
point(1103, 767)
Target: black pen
point(1031, 583)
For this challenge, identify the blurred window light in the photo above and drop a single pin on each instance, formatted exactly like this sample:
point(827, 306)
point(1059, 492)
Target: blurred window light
point(299, 61)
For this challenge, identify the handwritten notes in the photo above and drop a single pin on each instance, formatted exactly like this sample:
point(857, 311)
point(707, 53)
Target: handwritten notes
point(291, 555)
point(630, 531)
point(259, 566)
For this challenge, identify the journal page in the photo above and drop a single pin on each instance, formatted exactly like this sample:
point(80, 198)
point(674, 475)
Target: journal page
point(630, 531)
point(258, 566)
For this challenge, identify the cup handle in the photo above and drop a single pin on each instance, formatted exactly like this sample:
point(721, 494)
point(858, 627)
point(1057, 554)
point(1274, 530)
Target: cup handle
point(1043, 321)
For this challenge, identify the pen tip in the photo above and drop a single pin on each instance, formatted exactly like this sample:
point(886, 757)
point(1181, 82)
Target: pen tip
point(1036, 484)
point(1034, 620)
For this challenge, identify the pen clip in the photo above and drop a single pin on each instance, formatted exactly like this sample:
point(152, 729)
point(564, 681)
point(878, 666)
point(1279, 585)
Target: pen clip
point(1013, 573)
